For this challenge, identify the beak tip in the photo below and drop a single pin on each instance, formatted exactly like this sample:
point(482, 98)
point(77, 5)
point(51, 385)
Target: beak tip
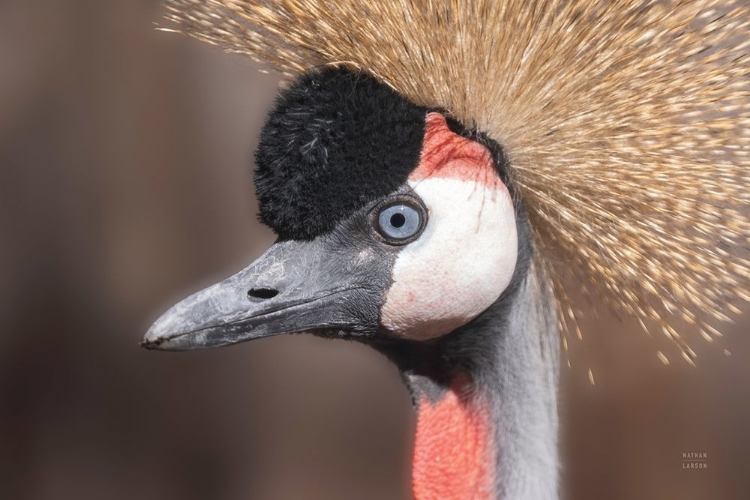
point(151, 345)
point(164, 344)
point(164, 335)
point(157, 337)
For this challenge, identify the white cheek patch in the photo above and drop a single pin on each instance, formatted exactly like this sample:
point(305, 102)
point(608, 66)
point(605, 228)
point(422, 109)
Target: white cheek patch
point(460, 264)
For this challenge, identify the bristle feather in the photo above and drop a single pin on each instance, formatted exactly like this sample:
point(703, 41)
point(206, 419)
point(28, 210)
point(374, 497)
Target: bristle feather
point(627, 123)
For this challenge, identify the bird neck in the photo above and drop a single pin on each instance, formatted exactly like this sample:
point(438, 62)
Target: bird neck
point(486, 403)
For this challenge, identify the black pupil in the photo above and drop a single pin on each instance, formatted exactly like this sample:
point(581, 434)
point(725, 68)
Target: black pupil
point(398, 220)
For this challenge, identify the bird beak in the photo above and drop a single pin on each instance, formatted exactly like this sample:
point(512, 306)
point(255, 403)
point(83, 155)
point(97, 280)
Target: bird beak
point(294, 287)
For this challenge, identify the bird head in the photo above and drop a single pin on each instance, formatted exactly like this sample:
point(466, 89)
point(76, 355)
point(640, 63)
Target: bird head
point(394, 223)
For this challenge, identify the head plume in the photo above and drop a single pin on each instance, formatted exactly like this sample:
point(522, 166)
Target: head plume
point(627, 123)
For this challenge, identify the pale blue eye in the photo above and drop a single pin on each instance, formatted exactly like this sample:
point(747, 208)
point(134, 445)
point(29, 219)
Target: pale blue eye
point(399, 222)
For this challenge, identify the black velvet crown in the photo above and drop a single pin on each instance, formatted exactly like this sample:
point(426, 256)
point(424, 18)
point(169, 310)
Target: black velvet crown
point(335, 141)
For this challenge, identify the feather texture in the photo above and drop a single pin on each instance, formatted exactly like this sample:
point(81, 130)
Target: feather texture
point(627, 123)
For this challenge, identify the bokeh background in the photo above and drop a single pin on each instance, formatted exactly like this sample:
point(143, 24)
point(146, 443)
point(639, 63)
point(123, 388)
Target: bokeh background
point(125, 183)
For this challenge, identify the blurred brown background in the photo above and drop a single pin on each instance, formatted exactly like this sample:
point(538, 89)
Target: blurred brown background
point(125, 183)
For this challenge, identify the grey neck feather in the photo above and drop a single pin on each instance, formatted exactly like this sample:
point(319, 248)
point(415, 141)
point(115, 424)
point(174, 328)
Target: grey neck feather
point(512, 353)
point(522, 388)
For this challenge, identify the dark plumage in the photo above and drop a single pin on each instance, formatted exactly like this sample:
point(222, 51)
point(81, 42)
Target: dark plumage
point(336, 141)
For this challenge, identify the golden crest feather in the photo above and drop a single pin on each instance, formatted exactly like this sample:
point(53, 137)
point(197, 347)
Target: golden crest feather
point(627, 123)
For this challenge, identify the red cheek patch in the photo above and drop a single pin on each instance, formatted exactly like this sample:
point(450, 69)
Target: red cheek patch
point(453, 450)
point(446, 154)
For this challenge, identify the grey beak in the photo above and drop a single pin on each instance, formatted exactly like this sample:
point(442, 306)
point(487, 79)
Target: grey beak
point(294, 287)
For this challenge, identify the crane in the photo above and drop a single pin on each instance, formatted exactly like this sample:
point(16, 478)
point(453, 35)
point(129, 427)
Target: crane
point(435, 170)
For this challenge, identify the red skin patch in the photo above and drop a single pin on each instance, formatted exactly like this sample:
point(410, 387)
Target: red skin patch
point(448, 155)
point(453, 452)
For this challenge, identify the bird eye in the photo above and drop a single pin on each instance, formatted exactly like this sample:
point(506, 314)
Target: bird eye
point(399, 222)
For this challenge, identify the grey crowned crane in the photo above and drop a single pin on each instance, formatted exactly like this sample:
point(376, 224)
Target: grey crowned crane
point(434, 170)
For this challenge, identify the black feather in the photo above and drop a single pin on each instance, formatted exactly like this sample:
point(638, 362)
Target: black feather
point(335, 141)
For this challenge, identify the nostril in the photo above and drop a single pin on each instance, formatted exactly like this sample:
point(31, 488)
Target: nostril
point(262, 293)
